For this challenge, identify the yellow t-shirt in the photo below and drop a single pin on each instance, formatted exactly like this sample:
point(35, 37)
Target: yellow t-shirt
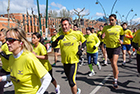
point(53, 39)
point(136, 32)
point(41, 50)
point(127, 40)
point(136, 39)
point(112, 35)
point(92, 40)
point(5, 62)
point(69, 46)
point(26, 72)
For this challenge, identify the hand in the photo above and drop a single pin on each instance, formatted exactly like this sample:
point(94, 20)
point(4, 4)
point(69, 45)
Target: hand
point(120, 41)
point(34, 53)
point(79, 53)
point(139, 49)
point(94, 47)
point(0, 78)
point(60, 37)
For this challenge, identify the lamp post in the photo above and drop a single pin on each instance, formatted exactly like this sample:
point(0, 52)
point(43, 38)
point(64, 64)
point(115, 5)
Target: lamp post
point(132, 18)
point(97, 2)
point(113, 6)
point(46, 19)
point(120, 16)
point(39, 18)
point(128, 14)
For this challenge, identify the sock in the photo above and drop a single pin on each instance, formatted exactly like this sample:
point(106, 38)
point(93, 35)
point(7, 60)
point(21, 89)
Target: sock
point(90, 67)
point(97, 63)
point(115, 80)
point(105, 62)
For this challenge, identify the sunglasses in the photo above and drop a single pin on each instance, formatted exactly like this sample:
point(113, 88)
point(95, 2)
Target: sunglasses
point(11, 40)
point(111, 19)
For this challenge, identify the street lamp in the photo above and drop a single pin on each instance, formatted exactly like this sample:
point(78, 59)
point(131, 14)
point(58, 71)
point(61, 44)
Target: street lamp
point(97, 2)
point(119, 15)
point(128, 14)
point(132, 18)
point(46, 19)
point(113, 6)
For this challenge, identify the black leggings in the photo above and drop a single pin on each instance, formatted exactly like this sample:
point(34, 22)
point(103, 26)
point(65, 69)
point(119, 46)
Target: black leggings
point(138, 63)
point(2, 72)
point(51, 75)
point(71, 71)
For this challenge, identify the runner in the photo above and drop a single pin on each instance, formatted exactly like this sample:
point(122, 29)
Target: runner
point(136, 45)
point(56, 49)
point(126, 46)
point(41, 53)
point(102, 44)
point(25, 69)
point(68, 41)
point(113, 44)
point(92, 50)
point(5, 60)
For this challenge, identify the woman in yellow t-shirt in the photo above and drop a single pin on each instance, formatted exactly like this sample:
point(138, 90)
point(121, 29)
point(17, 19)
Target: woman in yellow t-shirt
point(41, 53)
point(4, 54)
point(25, 68)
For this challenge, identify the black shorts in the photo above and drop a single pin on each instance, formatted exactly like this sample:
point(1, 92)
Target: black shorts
point(112, 51)
point(56, 50)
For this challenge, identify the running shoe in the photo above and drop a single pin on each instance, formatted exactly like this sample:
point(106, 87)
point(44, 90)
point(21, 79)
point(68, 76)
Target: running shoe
point(115, 85)
point(123, 64)
point(8, 84)
point(53, 64)
point(78, 90)
point(91, 74)
point(57, 89)
point(105, 63)
point(99, 66)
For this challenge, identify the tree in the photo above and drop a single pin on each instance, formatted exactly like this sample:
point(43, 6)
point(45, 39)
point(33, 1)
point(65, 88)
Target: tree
point(65, 13)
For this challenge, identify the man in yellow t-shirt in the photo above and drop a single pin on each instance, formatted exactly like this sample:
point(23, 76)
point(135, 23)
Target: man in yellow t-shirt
point(92, 50)
point(126, 46)
point(136, 45)
point(102, 44)
point(113, 44)
point(56, 49)
point(69, 42)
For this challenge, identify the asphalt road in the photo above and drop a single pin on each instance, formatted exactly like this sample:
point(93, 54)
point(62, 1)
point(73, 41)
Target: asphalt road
point(101, 83)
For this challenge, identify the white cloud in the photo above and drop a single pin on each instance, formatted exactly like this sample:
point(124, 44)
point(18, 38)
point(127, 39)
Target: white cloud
point(136, 20)
point(56, 5)
point(20, 6)
point(99, 14)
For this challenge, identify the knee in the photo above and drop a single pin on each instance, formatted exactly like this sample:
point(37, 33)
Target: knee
point(71, 83)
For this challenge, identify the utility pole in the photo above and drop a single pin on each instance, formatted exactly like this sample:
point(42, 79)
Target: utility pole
point(46, 19)
point(39, 18)
point(8, 13)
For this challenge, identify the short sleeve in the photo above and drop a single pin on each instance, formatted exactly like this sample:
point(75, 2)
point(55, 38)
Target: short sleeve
point(37, 68)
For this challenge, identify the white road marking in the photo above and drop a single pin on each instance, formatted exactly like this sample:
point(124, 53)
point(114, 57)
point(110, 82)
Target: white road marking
point(100, 84)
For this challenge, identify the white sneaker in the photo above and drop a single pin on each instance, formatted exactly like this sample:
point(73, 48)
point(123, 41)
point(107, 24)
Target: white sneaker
point(8, 84)
point(91, 74)
point(99, 66)
point(78, 90)
point(57, 89)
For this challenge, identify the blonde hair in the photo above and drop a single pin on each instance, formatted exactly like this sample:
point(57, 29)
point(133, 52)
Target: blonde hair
point(20, 34)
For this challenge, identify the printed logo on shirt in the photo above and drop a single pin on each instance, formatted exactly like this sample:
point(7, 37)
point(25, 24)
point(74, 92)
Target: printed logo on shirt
point(14, 79)
point(20, 72)
point(68, 44)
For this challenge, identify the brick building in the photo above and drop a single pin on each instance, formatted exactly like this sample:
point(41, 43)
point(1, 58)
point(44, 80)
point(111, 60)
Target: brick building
point(30, 23)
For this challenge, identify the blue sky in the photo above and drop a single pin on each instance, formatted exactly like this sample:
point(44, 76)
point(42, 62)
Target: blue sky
point(95, 10)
